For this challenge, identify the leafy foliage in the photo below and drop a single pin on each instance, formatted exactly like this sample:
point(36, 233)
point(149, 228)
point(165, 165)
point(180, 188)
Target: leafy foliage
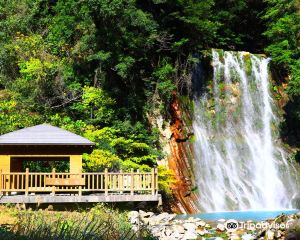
point(166, 179)
point(283, 29)
point(101, 159)
point(117, 145)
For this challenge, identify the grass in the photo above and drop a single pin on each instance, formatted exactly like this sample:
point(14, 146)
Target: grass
point(99, 222)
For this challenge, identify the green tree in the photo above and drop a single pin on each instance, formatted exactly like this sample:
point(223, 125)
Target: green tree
point(96, 106)
point(282, 18)
point(99, 160)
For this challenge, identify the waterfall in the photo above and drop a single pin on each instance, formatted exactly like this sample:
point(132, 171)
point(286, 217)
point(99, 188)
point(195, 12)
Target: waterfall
point(239, 161)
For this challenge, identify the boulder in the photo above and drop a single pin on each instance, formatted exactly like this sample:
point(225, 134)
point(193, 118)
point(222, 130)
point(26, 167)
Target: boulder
point(189, 236)
point(168, 232)
point(133, 214)
point(278, 234)
point(201, 232)
point(221, 227)
point(176, 236)
point(145, 214)
point(234, 237)
point(133, 217)
point(201, 223)
point(190, 227)
point(269, 235)
point(164, 217)
point(248, 237)
point(178, 229)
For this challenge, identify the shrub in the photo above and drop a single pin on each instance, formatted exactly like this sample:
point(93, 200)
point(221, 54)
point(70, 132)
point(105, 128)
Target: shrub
point(166, 178)
point(100, 222)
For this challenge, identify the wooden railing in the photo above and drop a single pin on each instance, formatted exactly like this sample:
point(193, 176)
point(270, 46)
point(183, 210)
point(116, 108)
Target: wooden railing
point(98, 182)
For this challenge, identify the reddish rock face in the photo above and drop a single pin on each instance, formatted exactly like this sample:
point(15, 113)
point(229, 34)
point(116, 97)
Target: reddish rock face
point(185, 199)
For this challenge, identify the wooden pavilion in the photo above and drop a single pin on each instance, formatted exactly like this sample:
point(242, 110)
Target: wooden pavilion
point(42, 142)
point(48, 143)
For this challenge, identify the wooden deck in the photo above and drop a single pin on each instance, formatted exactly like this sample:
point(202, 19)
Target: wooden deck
point(29, 187)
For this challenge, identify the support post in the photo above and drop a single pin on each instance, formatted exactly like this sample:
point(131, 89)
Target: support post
point(80, 191)
point(132, 182)
point(106, 181)
point(1, 183)
point(53, 187)
point(26, 181)
point(153, 181)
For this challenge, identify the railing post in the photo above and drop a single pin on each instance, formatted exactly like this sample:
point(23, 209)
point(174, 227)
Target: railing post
point(53, 176)
point(156, 181)
point(26, 181)
point(132, 182)
point(1, 183)
point(121, 181)
point(138, 180)
point(80, 187)
point(153, 181)
point(106, 181)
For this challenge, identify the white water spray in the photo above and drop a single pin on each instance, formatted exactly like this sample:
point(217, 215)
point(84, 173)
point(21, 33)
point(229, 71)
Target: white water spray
point(239, 165)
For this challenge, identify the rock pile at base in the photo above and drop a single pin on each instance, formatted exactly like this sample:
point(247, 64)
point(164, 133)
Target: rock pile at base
point(165, 226)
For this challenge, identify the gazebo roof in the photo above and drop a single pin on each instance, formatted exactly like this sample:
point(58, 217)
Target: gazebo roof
point(43, 134)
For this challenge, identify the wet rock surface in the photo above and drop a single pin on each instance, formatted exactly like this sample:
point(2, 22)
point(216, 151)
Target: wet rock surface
point(166, 226)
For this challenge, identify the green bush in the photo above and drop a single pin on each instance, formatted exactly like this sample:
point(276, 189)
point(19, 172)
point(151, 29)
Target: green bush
point(166, 178)
point(98, 223)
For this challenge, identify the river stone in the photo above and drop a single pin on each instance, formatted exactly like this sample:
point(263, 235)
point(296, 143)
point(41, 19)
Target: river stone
point(190, 235)
point(168, 232)
point(277, 234)
point(247, 237)
point(133, 214)
point(171, 217)
point(293, 223)
point(221, 227)
point(178, 229)
point(176, 235)
point(269, 235)
point(158, 219)
point(201, 232)
point(201, 223)
point(145, 214)
point(156, 231)
point(133, 217)
point(135, 228)
point(234, 237)
point(190, 227)
point(146, 221)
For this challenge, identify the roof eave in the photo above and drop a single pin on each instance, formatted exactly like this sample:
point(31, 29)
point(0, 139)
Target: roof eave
point(47, 144)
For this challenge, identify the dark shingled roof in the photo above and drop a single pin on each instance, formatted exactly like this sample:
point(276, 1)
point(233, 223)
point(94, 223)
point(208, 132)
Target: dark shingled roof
point(43, 134)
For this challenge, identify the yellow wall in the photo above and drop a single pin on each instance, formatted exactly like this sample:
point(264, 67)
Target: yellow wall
point(75, 164)
point(5, 163)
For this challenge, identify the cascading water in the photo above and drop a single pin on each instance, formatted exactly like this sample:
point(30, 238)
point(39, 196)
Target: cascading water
point(239, 162)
